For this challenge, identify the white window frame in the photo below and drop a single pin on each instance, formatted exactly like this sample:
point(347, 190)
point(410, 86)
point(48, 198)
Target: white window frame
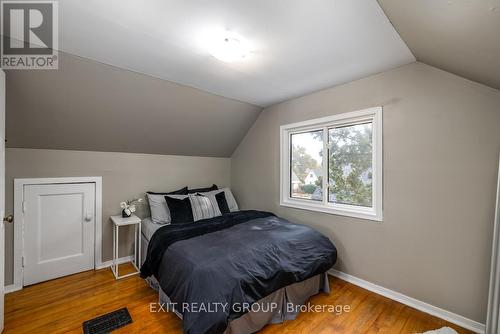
point(373, 115)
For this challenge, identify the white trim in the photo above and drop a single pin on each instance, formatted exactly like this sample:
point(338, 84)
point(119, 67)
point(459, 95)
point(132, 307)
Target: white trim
point(412, 302)
point(18, 213)
point(18, 236)
point(98, 222)
point(492, 318)
point(374, 213)
point(120, 260)
point(11, 288)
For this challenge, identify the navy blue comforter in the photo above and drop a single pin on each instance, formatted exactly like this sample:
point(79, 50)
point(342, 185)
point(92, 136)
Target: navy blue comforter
point(209, 267)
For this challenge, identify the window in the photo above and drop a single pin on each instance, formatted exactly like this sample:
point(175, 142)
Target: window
point(334, 164)
point(306, 159)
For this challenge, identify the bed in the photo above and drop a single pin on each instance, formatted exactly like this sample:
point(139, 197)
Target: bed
point(262, 263)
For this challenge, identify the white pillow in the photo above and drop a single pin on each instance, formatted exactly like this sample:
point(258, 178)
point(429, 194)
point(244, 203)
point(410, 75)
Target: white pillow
point(159, 208)
point(231, 202)
point(204, 206)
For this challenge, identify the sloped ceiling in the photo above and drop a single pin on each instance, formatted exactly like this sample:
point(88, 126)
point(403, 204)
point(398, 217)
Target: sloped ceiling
point(138, 76)
point(458, 36)
point(86, 105)
point(297, 46)
point(111, 91)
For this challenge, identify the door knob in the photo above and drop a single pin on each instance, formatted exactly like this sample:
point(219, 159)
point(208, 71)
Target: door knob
point(88, 218)
point(8, 219)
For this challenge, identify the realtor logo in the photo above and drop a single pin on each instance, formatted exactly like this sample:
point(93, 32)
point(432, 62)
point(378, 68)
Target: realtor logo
point(29, 38)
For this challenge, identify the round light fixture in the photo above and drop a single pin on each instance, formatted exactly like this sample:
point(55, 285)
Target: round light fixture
point(229, 48)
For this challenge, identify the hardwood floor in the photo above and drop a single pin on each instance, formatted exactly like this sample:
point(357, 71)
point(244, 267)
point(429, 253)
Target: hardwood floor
point(61, 305)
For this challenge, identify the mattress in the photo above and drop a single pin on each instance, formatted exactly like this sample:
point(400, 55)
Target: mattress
point(149, 228)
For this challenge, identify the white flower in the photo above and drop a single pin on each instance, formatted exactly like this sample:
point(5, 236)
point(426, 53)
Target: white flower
point(123, 205)
point(139, 200)
point(132, 208)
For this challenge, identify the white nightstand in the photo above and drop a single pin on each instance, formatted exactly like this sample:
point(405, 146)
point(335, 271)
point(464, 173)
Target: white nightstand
point(118, 222)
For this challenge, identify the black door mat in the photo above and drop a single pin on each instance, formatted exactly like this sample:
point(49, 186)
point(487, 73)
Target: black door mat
point(108, 322)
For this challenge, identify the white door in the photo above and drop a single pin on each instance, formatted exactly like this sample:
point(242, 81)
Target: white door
point(58, 230)
point(2, 192)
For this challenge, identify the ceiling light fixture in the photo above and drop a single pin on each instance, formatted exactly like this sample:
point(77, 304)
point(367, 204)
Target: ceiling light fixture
point(229, 48)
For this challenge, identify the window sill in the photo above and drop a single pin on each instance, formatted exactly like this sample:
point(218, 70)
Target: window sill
point(320, 207)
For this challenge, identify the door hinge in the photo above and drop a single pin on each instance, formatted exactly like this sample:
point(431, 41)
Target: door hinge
point(22, 262)
point(24, 206)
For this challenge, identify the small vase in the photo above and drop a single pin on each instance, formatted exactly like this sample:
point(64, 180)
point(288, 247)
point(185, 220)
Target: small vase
point(124, 215)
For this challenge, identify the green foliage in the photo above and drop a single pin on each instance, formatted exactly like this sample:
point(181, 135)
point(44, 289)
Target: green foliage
point(349, 164)
point(302, 162)
point(308, 188)
point(319, 181)
point(350, 158)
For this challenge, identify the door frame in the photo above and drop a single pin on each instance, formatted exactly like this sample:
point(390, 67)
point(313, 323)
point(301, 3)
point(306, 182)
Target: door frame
point(19, 220)
point(492, 316)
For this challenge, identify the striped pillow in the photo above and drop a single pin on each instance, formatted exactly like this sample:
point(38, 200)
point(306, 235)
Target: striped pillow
point(231, 202)
point(204, 207)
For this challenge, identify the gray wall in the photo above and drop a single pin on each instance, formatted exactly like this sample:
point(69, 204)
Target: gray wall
point(86, 105)
point(441, 145)
point(459, 36)
point(124, 176)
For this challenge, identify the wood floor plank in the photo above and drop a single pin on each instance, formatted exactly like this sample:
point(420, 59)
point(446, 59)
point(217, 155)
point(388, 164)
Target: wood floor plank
point(62, 305)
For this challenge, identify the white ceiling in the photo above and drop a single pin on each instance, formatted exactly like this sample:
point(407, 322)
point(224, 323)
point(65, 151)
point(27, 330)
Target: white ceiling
point(298, 46)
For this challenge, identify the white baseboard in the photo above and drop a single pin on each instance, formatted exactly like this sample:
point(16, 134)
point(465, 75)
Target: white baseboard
point(12, 288)
point(120, 260)
point(412, 302)
point(399, 297)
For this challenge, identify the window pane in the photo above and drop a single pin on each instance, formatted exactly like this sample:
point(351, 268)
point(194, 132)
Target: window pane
point(350, 165)
point(306, 158)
